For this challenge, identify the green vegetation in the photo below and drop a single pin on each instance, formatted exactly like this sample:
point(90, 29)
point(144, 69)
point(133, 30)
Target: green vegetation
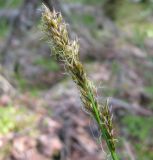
point(139, 127)
point(9, 3)
point(141, 31)
point(24, 86)
point(86, 19)
point(143, 152)
point(140, 130)
point(47, 64)
point(138, 37)
point(21, 82)
point(85, 1)
point(7, 121)
point(34, 91)
point(136, 21)
point(123, 16)
point(4, 28)
point(14, 119)
point(149, 90)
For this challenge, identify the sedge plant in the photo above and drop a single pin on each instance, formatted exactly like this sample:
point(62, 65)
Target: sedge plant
point(67, 51)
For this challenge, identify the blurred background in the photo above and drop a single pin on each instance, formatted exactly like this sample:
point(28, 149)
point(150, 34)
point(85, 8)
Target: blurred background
point(41, 116)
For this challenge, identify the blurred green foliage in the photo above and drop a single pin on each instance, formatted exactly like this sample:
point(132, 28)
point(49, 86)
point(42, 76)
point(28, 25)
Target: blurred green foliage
point(139, 127)
point(34, 91)
point(85, 1)
point(48, 64)
point(10, 3)
point(4, 28)
point(140, 130)
point(86, 19)
point(25, 86)
point(141, 31)
point(138, 37)
point(13, 119)
point(21, 82)
point(124, 16)
point(6, 4)
point(149, 90)
point(134, 17)
point(143, 152)
point(7, 122)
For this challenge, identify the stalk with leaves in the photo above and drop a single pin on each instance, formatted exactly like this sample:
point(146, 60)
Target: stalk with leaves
point(67, 51)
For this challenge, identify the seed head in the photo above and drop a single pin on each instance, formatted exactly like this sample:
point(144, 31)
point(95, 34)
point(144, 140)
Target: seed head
point(67, 51)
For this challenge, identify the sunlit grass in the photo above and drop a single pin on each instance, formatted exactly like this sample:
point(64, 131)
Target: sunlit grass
point(14, 119)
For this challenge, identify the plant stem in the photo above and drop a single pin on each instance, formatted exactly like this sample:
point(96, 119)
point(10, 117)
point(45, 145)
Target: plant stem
point(114, 156)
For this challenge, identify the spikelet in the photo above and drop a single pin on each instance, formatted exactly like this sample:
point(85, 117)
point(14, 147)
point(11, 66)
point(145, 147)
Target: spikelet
point(67, 51)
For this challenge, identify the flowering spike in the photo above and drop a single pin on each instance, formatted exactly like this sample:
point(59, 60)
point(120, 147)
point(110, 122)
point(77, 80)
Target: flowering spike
point(67, 51)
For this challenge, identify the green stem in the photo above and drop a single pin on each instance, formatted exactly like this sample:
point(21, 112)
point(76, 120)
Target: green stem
point(114, 155)
point(102, 127)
